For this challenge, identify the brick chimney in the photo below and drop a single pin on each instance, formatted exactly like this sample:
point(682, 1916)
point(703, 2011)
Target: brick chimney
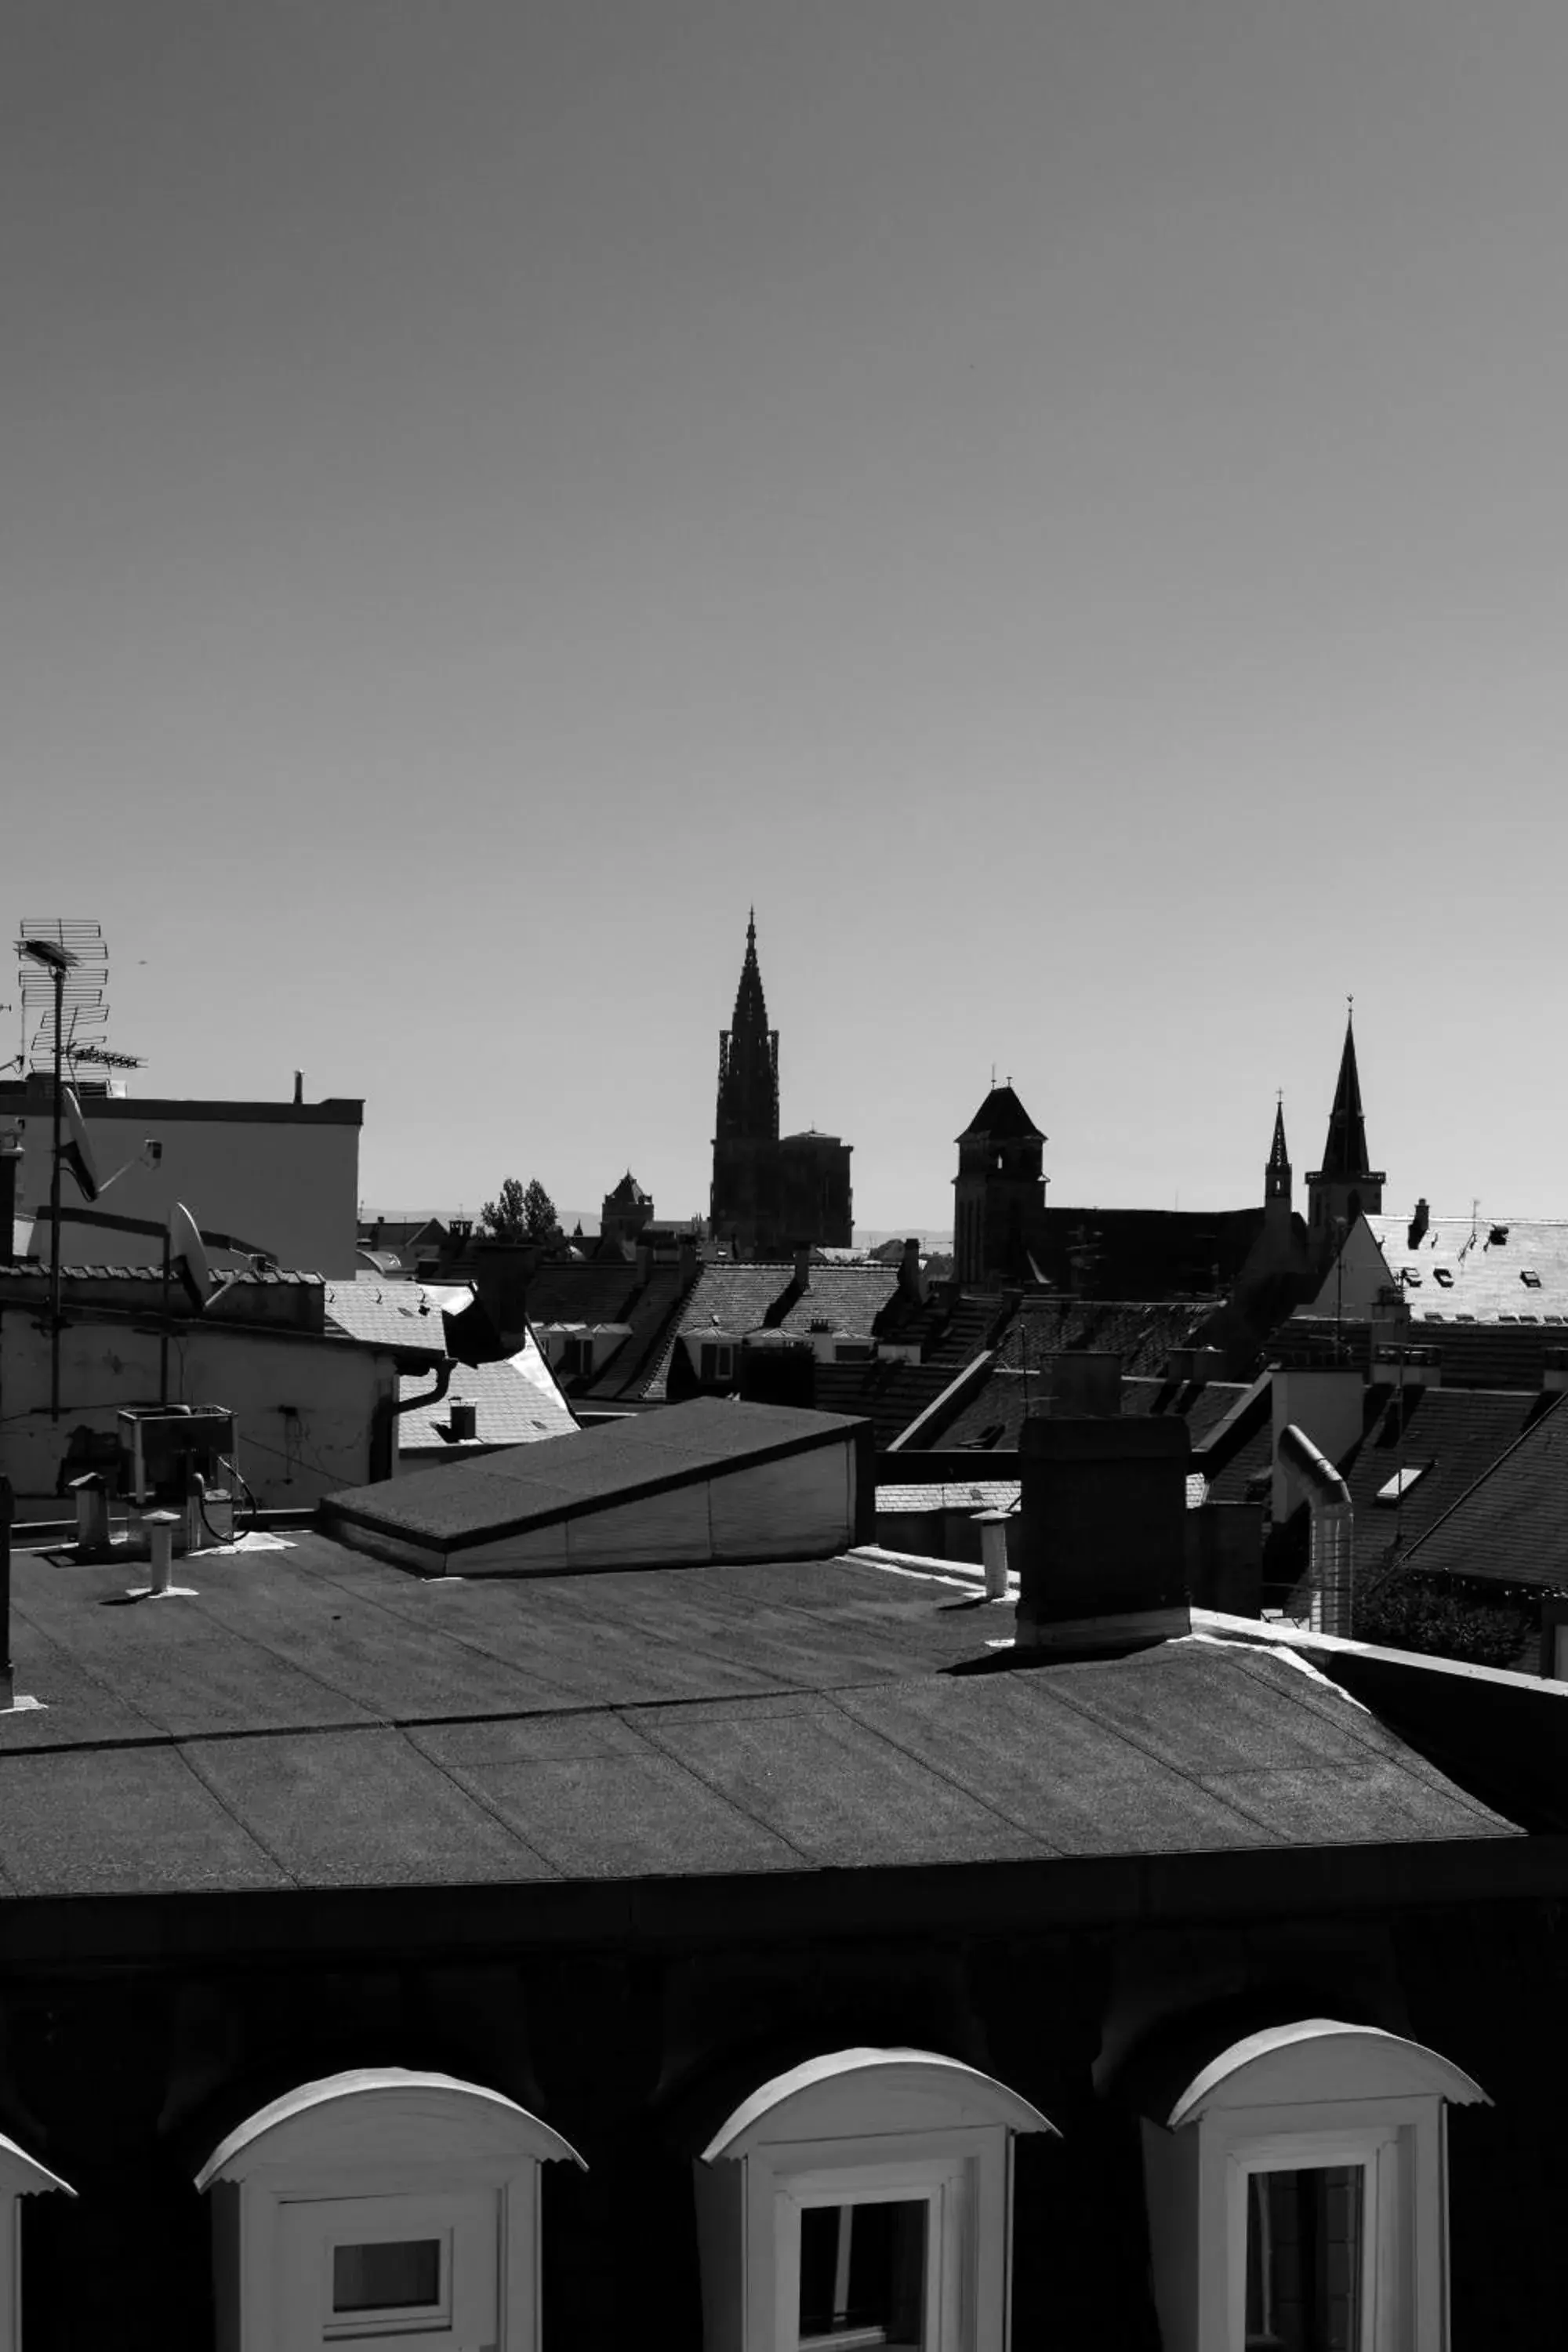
point(1104, 1532)
point(1418, 1223)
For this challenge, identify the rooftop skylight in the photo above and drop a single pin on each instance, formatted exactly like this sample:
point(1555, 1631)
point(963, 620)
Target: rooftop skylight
point(1402, 1481)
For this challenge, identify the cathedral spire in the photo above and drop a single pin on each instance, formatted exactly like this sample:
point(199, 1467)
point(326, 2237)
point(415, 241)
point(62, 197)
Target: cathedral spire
point(749, 1057)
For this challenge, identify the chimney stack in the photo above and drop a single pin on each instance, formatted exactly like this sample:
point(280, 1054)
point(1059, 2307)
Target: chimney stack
point(1418, 1224)
point(298, 1086)
point(1104, 1509)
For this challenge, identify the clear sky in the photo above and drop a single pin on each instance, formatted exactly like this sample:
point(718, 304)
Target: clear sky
point(1061, 505)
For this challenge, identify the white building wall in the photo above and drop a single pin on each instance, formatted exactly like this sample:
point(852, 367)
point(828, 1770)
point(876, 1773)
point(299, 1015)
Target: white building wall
point(289, 1459)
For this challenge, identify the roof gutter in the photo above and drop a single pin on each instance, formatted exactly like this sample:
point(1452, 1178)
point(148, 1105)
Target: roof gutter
point(430, 1396)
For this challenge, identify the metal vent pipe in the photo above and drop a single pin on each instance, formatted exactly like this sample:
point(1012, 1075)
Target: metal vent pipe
point(1331, 1569)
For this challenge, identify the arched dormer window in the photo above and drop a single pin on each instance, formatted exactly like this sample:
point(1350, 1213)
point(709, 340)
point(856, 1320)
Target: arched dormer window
point(1298, 2191)
point(861, 2200)
point(20, 2176)
point(379, 2206)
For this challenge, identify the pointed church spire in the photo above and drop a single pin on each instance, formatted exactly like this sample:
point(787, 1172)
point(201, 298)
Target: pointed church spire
point(1345, 1187)
point(1277, 1174)
point(749, 1057)
point(1344, 1153)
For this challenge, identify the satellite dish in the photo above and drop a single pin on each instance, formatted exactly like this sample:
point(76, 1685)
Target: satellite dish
point(188, 1257)
point(76, 1151)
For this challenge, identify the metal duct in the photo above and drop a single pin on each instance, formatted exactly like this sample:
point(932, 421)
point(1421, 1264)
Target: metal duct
point(1332, 1571)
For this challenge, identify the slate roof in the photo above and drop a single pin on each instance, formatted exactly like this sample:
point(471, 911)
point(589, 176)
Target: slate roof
point(515, 1406)
point(1512, 1525)
point(310, 1718)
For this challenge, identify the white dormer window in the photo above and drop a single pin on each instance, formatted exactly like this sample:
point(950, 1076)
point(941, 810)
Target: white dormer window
point(1297, 2194)
point(20, 2176)
point(380, 2207)
point(861, 2200)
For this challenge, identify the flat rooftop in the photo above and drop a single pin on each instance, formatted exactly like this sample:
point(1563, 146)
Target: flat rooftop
point(313, 1718)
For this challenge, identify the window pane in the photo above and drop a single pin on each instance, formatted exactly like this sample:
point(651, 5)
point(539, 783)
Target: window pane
point(386, 2277)
point(1304, 2262)
point(862, 2276)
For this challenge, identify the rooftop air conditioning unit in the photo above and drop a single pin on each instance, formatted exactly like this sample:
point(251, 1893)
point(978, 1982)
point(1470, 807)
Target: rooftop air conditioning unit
point(162, 1446)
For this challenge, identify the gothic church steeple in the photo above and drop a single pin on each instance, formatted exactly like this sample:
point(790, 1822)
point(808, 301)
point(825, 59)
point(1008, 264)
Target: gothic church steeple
point(749, 1059)
point(1345, 1187)
point(1277, 1174)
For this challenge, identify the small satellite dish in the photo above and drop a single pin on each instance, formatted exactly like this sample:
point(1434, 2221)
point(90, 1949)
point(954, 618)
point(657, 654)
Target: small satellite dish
point(188, 1257)
point(76, 1151)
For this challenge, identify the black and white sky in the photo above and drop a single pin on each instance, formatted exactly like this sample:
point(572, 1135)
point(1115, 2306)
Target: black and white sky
point(1063, 506)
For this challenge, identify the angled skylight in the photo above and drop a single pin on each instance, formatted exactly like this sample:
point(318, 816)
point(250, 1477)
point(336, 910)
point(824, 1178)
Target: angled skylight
point(1402, 1481)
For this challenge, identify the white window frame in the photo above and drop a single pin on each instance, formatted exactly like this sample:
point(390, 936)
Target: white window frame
point(1315, 2094)
point(20, 2176)
point(379, 2153)
point(855, 2126)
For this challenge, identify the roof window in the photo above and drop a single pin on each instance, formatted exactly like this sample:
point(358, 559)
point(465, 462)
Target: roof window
point(1402, 1481)
point(1464, 1318)
point(1530, 1278)
point(1431, 1315)
point(1443, 1276)
point(1409, 1278)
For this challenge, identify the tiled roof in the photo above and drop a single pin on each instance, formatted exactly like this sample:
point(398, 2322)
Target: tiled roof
point(386, 1314)
point(324, 1721)
point(589, 1290)
point(249, 1277)
point(889, 1395)
point(1017, 1382)
point(973, 1495)
point(1480, 1266)
point(517, 1404)
point(651, 1322)
point(1146, 1253)
point(1452, 1437)
point(1511, 1527)
point(743, 1296)
point(1202, 1406)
